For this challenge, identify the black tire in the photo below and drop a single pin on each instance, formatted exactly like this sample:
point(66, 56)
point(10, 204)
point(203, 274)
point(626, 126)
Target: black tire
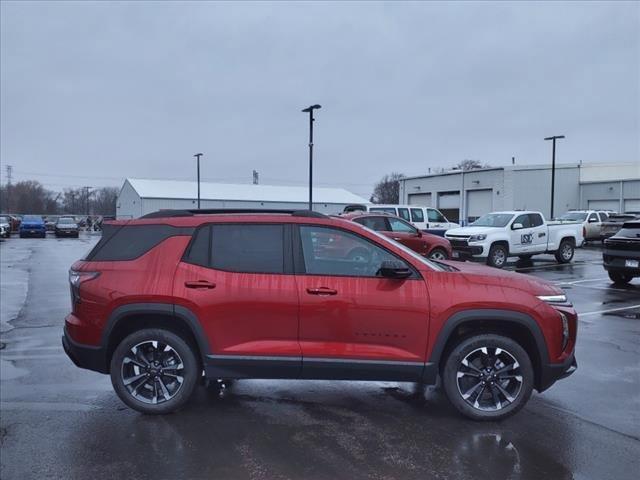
point(180, 392)
point(519, 387)
point(438, 254)
point(498, 255)
point(619, 278)
point(565, 251)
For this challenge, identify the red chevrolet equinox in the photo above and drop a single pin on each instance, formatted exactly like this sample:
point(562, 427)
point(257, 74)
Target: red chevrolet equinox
point(279, 294)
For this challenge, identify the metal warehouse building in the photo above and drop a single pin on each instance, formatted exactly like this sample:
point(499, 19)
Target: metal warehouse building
point(138, 197)
point(470, 194)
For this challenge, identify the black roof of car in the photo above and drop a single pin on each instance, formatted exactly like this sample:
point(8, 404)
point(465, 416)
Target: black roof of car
point(631, 224)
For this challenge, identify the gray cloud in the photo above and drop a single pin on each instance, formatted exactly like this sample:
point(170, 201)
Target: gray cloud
point(134, 89)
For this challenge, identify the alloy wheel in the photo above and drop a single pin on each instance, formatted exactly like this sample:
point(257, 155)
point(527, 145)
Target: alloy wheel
point(152, 372)
point(489, 379)
point(437, 255)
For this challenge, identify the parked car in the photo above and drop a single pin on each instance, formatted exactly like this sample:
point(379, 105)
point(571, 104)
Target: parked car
point(50, 223)
point(591, 221)
point(32, 226)
point(5, 226)
point(424, 218)
point(621, 254)
point(426, 244)
point(496, 236)
point(161, 298)
point(66, 226)
point(614, 224)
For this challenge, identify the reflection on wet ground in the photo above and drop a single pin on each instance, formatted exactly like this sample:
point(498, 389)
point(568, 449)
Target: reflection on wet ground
point(61, 422)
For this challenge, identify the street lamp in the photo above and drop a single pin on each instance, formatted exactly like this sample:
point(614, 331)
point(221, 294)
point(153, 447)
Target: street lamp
point(310, 110)
point(198, 155)
point(553, 168)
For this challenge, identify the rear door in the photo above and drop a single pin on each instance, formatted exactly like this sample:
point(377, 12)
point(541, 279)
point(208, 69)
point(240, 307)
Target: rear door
point(238, 280)
point(436, 219)
point(539, 233)
point(354, 323)
point(418, 218)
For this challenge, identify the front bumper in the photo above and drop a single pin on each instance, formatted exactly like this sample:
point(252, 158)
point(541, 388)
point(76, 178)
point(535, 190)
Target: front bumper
point(552, 372)
point(66, 233)
point(85, 356)
point(33, 232)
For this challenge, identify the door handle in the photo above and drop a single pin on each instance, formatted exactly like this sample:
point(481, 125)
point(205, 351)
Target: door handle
point(199, 284)
point(321, 291)
point(397, 238)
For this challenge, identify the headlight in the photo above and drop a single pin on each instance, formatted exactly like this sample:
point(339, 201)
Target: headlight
point(553, 298)
point(477, 238)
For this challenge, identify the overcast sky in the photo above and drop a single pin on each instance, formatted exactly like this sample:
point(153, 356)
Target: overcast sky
point(95, 92)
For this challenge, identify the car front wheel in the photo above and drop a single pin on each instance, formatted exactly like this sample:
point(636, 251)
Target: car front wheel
point(438, 254)
point(488, 377)
point(498, 255)
point(154, 371)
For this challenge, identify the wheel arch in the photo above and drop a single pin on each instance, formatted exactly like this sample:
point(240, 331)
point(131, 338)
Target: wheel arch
point(518, 326)
point(129, 318)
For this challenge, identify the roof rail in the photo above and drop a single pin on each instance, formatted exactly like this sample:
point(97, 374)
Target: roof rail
point(222, 211)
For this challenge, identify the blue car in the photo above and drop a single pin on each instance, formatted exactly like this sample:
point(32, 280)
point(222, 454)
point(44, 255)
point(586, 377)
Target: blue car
point(32, 226)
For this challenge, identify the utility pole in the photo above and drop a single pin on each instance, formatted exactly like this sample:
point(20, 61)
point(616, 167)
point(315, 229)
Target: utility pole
point(86, 198)
point(553, 169)
point(198, 155)
point(9, 178)
point(310, 110)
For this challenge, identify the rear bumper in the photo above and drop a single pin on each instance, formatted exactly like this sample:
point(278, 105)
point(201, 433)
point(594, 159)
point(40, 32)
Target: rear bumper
point(552, 372)
point(85, 356)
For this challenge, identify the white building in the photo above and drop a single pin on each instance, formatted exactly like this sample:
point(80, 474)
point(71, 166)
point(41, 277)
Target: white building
point(138, 197)
point(468, 195)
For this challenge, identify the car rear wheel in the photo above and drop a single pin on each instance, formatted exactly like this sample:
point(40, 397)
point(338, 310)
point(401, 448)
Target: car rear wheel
point(619, 278)
point(154, 371)
point(438, 254)
point(498, 255)
point(565, 251)
point(488, 377)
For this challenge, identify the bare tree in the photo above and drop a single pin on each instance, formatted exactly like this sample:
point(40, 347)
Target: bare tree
point(104, 201)
point(387, 190)
point(469, 164)
point(28, 196)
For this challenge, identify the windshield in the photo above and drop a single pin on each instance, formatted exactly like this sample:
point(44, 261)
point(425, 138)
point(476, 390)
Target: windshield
point(66, 220)
point(493, 220)
point(630, 231)
point(574, 216)
point(32, 218)
point(407, 250)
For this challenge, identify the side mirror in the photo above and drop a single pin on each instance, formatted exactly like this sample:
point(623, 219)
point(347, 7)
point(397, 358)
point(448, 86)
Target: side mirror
point(593, 220)
point(392, 269)
point(418, 233)
point(516, 226)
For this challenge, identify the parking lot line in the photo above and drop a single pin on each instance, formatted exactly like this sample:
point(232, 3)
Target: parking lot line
point(582, 281)
point(608, 311)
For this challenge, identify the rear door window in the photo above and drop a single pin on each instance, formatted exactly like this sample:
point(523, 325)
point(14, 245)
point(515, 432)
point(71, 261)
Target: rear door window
point(379, 224)
point(535, 219)
point(248, 248)
point(199, 251)
point(404, 214)
point(417, 215)
point(398, 225)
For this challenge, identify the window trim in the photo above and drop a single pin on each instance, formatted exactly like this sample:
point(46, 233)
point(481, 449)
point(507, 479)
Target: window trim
point(287, 246)
point(298, 254)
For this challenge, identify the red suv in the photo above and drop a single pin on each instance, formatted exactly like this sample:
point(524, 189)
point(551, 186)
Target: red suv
point(427, 244)
point(241, 294)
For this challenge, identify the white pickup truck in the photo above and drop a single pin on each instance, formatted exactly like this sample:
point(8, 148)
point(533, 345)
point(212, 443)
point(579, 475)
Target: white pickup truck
point(496, 236)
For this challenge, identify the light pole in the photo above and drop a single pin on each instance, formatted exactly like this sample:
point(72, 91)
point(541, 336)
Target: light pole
point(310, 110)
point(553, 169)
point(198, 155)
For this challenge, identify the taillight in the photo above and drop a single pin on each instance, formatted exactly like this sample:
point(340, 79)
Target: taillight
point(77, 278)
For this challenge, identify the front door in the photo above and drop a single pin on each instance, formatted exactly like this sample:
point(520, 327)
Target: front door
point(354, 323)
point(521, 235)
point(238, 281)
point(539, 233)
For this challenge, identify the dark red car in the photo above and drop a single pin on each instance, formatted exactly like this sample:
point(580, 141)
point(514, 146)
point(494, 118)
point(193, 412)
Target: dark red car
point(427, 244)
point(163, 298)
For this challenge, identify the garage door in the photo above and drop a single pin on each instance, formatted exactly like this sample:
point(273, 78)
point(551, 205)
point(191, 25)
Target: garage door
point(632, 205)
point(479, 202)
point(449, 200)
point(604, 205)
point(422, 199)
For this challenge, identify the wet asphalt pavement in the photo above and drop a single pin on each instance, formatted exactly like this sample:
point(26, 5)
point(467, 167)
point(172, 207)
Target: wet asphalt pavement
point(58, 421)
